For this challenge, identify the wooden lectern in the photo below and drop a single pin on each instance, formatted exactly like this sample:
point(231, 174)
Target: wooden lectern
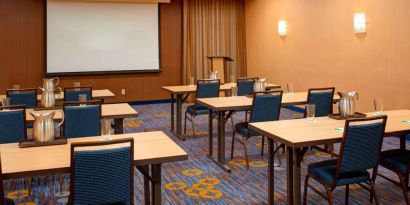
point(218, 63)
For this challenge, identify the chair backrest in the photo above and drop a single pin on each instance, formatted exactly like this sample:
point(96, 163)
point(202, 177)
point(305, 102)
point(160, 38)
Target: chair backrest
point(72, 94)
point(266, 106)
point(361, 145)
point(26, 97)
point(82, 119)
point(323, 99)
point(207, 88)
point(12, 124)
point(245, 86)
point(102, 176)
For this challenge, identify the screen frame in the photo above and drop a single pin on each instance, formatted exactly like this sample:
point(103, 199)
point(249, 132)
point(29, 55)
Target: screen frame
point(47, 74)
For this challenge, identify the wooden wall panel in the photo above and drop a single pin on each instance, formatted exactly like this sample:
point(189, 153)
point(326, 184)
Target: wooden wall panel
point(321, 48)
point(22, 53)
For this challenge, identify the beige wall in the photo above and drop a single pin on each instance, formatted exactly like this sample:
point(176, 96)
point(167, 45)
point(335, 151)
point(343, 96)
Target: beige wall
point(321, 48)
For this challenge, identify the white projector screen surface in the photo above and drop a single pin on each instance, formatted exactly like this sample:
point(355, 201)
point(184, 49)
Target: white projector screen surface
point(102, 37)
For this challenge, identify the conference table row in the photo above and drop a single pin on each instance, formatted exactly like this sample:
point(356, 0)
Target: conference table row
point(224, 107)
point(102, 95)
point(180, 94)
point(151, 150)
point(299, 133)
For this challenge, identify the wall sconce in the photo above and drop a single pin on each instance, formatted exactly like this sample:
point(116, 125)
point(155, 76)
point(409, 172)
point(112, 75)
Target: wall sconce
point(359, 23)
point(282, 28)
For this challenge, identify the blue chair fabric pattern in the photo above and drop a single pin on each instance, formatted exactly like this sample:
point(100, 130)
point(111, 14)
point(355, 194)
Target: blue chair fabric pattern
point(82, 121)
point(245, 88)
point(28, 99)
point(204, 90)
point(102, 176)
point(74, 95)
point(323, 102)
point(12, 128)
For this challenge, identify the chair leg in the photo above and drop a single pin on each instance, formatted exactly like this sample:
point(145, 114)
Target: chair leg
point(233, 124)
point(329, 196)
point(373, 192)
point(246, 152)
point(404, 187)
point(306, 190)
point(263, 144)
point(233, 144)
point(193, 127)
point(347, 195)
point(246, 116)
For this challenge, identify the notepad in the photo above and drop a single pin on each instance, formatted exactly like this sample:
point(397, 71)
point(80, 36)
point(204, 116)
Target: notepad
point(406, 121)
point(339, 129)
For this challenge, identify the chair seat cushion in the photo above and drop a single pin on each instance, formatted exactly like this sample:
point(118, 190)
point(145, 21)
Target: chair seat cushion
point(396, 160)
point(325, 171)
point(242, 128)
point(197, 110)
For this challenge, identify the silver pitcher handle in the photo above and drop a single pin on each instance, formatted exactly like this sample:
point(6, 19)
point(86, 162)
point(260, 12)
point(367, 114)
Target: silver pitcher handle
point(60, 95)
point(62, 119)
point(57, 81)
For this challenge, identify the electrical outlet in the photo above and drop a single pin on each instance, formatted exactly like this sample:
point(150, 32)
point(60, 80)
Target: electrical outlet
point(122, 91)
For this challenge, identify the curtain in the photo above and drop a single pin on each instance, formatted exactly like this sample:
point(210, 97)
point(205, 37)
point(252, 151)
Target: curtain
point(213, 27)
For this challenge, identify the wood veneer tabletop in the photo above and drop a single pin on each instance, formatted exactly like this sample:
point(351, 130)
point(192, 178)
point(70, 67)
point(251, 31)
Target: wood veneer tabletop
point(120, 110)
point(192, 88)
point(97, 94)
point(302, 133)
point(149, 148)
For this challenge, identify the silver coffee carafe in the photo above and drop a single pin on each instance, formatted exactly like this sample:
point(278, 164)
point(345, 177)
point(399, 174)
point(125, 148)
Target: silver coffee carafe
point(347, 103)
point(44, 127)
point(50, 83)
point(48, 96)
point(260, 85)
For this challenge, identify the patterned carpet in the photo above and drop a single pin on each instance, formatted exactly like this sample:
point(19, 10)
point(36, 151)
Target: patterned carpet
point(198, 180)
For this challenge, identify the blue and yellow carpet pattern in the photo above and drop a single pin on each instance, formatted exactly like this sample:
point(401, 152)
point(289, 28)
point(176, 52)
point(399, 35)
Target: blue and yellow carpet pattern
point(198, 180)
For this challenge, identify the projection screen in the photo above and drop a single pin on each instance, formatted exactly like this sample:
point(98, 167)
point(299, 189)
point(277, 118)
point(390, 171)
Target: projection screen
point(89, 38)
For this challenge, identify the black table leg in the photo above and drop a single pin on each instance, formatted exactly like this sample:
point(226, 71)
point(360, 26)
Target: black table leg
point(156, 184)
point(271, 174)
point(172, 112)
point(179, 115)
point(297, 196)
point(119, 126)
point(210, 133)
point(289, 174)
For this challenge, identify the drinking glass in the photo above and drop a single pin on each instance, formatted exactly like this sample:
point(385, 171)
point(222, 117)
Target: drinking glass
point(192, 80)
point(82, 98)
point(290, 87)
point(106, 127)
point(378, 106)
point(77, 84)
point(5, 102)
point(310, 112)
point(16, 86)
point(234, 91)
point(233, 79)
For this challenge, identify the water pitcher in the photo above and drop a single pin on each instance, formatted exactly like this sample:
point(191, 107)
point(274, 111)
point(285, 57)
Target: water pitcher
point(44, 128)
point(48, 97)
point(347, 103)
point(213, 75)
point(50, 83)
point(260, 85)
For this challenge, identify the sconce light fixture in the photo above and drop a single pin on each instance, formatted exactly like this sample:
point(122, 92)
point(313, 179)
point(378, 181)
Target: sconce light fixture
point(282, 28)
point(359, 23)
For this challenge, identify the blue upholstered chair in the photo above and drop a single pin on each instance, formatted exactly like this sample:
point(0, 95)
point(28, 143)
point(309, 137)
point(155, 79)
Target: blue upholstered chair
point(3, 199)
point(265, 107)
point(26, 97)
point(246, 88)
point(398, 161)
point(102, 176)
point(205, 89)
point(12, 124)
point(323, 99)
point(360, 151)
point(72, 94)
point(82, 120)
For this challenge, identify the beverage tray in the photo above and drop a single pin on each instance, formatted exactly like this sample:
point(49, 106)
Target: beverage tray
point(32, 143)
point(356, 115)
